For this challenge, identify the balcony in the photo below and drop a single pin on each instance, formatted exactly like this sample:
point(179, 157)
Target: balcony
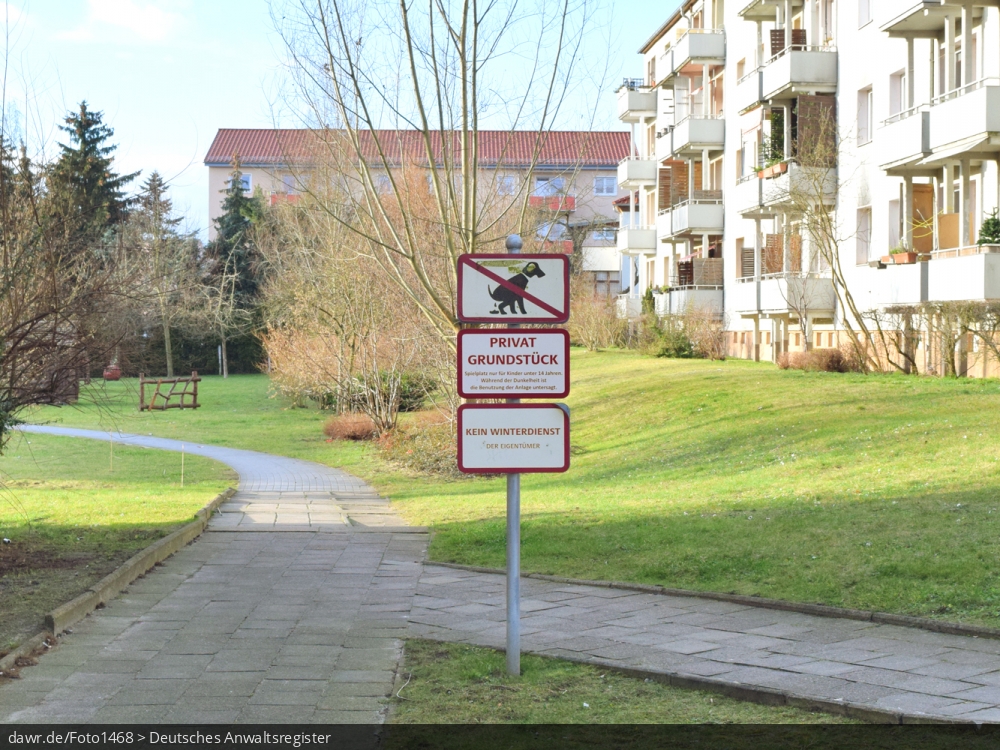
point(277, 198)
point(902, 285)
point(918, 18)
point(636, 102)
point(664, 144)
point(703, 215)
point(965, 277)
point(695, 48)
point(554, 203)
point(797, 184)
point(747, 197)
point(763, 10)
point(637, 241)
point(743, 296)
point(628, 307)
point(797, 292)
point(664, 226)
point(800, 69)
point(750, 91)
point(634, 173)
point(904, 139)
point(689, 299)
point(966, 119)
point(694, 134)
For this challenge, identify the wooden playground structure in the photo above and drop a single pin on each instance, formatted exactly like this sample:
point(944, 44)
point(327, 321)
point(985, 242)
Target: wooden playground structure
point(183, 393)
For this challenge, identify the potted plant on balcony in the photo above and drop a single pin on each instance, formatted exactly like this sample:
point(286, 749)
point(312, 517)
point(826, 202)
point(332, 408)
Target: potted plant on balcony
point(899, 256)
point(989, 232)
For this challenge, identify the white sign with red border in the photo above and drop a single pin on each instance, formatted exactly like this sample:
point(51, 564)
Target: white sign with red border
point(511, 289)
point(513, 438)
point(505, 363)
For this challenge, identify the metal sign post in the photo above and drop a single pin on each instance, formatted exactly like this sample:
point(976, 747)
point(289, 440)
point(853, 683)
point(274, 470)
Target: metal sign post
point(512, 363)
point(513, 246)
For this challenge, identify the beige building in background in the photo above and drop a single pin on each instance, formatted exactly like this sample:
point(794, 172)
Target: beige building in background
point(571, 179)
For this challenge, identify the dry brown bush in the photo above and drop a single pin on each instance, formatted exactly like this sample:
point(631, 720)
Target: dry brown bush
point(594, 322)
point(819, 360)
point(349, 426)
point(426, 445)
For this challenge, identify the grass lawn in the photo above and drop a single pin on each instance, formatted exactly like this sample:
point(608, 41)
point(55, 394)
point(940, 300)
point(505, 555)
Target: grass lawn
point(459, 684)
point(71, 520)
point(874, 492)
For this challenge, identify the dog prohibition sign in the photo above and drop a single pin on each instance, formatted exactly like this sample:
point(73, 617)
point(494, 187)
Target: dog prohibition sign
point(513, 288)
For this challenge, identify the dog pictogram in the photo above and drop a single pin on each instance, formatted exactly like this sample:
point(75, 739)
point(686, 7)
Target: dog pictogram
point(510, 299)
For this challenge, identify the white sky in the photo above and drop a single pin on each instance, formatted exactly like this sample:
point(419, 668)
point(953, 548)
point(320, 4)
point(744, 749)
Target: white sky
point(169, 73)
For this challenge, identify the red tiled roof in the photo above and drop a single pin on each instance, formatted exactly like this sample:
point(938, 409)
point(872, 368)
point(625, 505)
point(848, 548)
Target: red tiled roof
point(262, 148)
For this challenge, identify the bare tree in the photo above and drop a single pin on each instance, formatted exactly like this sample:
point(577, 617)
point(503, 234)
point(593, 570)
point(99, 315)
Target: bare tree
point(420, 195)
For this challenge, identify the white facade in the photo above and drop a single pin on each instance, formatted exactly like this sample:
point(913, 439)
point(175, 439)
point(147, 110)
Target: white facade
point(736, 90)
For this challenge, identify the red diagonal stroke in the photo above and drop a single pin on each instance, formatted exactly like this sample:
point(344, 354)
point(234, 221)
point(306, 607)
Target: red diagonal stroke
point(514, 288)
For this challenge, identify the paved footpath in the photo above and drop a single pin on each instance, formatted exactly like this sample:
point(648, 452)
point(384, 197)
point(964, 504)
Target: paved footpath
point(894, 669)
point(291, 607)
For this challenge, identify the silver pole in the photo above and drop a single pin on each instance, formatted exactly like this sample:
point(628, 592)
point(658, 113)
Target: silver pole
point(513, 542)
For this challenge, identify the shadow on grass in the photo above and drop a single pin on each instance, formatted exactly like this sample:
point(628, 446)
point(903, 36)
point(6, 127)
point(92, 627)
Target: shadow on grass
point(933, 555)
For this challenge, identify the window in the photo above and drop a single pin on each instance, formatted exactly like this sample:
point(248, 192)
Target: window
point(288, 181)
point(604, 234)
point(895, 221)
point(864, 12)
point(605, 186)
point(382, 183)
point(864, 116)
point(741, 68)
point(864, 235)
point(245, 179)
point(551, 230)
point(545, 186)
point(607, 283)
point(507, 185)
point(897, 92)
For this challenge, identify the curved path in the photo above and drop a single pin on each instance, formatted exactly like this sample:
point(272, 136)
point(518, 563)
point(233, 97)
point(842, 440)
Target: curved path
point(249, 625)
point(245, 624)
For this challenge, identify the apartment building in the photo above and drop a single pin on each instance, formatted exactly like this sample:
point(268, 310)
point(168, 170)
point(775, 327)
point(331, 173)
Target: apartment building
point(773, 138)
point(570, 177)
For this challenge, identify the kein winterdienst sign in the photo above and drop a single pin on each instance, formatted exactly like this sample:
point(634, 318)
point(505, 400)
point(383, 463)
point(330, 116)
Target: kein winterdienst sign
point(503, 363)
point(513, 438)
point(511, 289)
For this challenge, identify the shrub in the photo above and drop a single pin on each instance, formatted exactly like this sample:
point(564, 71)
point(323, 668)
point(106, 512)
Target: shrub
point(818, 360)
point(349, 426)
point(673, 344)
point(426, 444)
point(594, 322)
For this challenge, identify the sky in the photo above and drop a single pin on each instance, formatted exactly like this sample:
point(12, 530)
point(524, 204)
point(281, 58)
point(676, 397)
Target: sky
point(167, 74)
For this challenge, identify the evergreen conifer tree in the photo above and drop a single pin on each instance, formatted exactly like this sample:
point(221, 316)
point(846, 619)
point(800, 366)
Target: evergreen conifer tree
point(232, 247)
point(88, 194)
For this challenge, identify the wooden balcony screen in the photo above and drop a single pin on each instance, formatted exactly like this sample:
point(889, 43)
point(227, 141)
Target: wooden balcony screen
point(746, 263)
point(799, 40)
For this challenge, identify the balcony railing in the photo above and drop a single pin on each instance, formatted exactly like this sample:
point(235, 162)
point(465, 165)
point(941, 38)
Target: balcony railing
point(634, 172)
point(635, 104)
point(637, 240)
point(962, 90)
point(798, 66)
point(696, 132)
point(695, 46)
point(558, 246)
point(749, 93)
point(966, 114)
point(904, 138)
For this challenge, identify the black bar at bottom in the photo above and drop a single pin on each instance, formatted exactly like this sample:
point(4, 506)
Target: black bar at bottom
point(503, 736)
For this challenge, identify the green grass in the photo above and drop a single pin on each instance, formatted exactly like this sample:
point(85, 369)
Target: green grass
point(876, 492)
point(459, 684)
point(71, 520)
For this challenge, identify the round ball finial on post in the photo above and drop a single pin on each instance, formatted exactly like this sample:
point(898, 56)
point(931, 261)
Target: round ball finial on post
point(514, 243)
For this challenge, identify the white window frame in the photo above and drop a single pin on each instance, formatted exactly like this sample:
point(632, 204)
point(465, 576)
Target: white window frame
point(507, 185)
point(606, 186)
point(246, 180)
point(864, 13)
point(863, 237)
point(547, 187)
point(604, 234)
point(866, 121)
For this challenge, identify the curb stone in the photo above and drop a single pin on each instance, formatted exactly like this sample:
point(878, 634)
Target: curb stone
point(819, 610)
point(112, 584)
point(27, 648)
